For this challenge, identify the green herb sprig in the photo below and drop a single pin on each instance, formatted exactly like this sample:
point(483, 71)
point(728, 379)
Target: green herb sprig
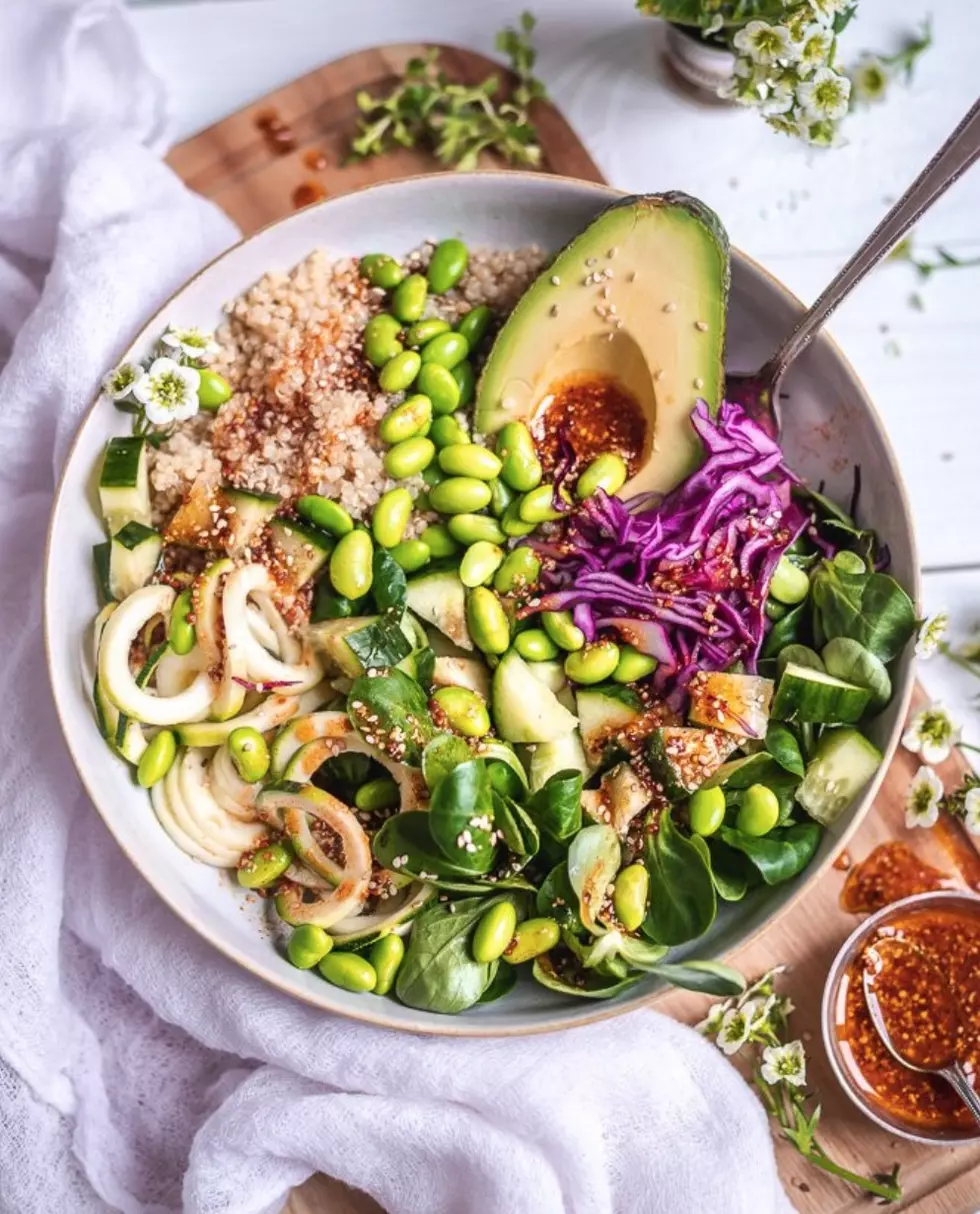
point(925, 266)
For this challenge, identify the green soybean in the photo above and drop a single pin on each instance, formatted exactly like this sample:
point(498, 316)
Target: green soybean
point(592, 663)
point(459, 494)
point(465, 711)
point(759, 811)
point(348, 970)
point(440, 386)
point(536, 506)
point(633, 665)
point(380, 339)
point(439, 541)
point(381, 793)
point(501, 496)
point(264, 866)
point(447, 432)
point(406, 420)
point(447, 350)
point(448, 265)
point(475, 325)
point(180, 631)
point(381, 270)
point(521, 569)
point(409, 457)
point(351, 572)
point(398, 375)
point(308, 945)
point(706, 810)
point(469, 459)
point(530, 939)
point(534, 645)
point(480, 562)
point(774, 609)
point(370, 260)
point(390, 517)
point(512, 523)
point(330, 606)
point(212, 390)
point(494, 932)
point(630, 891)
point(424, 330)
point(521, 468)
point(789, 583)
point(324, 513)
point(432, 474)
point(386, 956)
point(249, 753)
point(408, 298)
point(850, 562)
point(469, 529)
point(412, 555)
point(487, 621)
point(157, 759)
point(607, 472)
point(563, 630)
point(465, 378)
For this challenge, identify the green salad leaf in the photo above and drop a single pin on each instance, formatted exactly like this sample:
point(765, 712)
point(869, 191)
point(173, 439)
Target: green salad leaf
point(706, 977)
point(381, 643)
point(461, 817)
point(779, 855)
point(557, 807)
point(441, 756)
point(730, 871)
point(389, 584)
point(556, 899)
point(870, 608)
point(560, 971)
point(682, 894)
point(781, 743)
point(520, 833)
point(391, 711)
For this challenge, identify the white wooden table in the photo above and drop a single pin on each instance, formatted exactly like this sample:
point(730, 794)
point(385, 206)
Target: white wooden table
point(799, 212)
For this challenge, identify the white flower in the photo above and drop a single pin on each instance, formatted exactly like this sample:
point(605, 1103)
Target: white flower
point(764, 985)
point(195, 343)
point(971, 811)
point(169, 392)
point(870, 79)
point(716, 23)
point(780, 98)
point(932, 733)
point(826, 10)
point(786, 124)
point(784, 1063)
point(922, 799)
point(931, 632)
point(736, 1024)
point(815, 46)
point(711, 1024)
point(824, 134)
point(765, 43)
point(824, 96)
point(122, 380)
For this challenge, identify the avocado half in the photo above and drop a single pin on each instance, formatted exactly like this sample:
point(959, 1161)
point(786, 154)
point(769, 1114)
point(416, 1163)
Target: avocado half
point(662, 262)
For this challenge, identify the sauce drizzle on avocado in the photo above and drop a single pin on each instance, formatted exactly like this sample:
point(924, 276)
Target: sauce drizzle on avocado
point(596, 414)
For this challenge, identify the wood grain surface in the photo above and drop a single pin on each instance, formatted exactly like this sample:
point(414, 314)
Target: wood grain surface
point(252, 164)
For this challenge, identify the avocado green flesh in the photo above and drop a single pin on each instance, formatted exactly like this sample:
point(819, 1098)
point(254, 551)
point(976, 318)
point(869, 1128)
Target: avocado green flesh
point(669, 288)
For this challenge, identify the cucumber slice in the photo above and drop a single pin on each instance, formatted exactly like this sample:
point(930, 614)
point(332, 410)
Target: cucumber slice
point(524, 710)
point(134, 557)
point(849, 660)
point(124, 483)
point(132, 743)
point(563, 754)
point(329, 638)
point(246, 513)
point(440, 600)
point(361, 930)
point(811, 695)
point(737, 703)
point(302, 549)
point(621, 795)
point(268, 715)
point(681, 759)
point(470, 673)
point(100, 560)
point(307, 728)
point(842, 765)
point(603, 713)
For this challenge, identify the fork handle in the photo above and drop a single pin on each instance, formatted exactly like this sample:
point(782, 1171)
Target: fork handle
point(956, 155)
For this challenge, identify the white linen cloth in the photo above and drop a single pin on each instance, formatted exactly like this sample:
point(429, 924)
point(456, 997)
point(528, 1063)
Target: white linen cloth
point(139, 1069)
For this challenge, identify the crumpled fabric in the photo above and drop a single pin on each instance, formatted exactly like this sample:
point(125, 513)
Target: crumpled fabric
point(140, 1070)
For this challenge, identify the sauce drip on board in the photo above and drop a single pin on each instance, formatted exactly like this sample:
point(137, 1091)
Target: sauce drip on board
point(307, 193)
point(595, 414)
point(890, 872)
point(277, 132)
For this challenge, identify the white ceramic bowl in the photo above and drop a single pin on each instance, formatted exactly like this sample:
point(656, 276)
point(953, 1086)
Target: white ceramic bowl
point(828, 426)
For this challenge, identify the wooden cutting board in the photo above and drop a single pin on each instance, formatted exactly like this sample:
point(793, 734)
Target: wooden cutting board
point(288, 149)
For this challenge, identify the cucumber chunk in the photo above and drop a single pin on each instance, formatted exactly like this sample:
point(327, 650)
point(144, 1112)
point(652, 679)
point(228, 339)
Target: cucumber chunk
point(604, 713)
point(247, 513)
point(440, 600)
point(806, 694)
point(524, 710)
point(124, 483)
point(842, 765)
point(134, 556)
point(563, 754)
point(302, 549)
point(681, 759)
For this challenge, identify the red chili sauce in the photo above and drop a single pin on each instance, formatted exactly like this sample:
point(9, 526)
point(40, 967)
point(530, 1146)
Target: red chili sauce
point(890, 872)
point(595, 414)
point(307, 193)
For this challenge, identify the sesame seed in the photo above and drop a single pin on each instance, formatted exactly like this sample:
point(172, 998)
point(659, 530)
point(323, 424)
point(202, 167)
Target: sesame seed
point(555, 280)
point(699, 383)
point(590, 261)
point(658, 375)
point(701, 326)
point(613, 251)
point(554, 310)
point(670, 307)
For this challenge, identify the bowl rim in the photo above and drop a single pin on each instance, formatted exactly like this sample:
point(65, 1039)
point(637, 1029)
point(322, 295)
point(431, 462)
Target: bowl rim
point(842, 958)
point(458, 1026)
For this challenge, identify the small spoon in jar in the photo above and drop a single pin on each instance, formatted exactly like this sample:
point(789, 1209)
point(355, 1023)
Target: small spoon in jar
point(923, 1032)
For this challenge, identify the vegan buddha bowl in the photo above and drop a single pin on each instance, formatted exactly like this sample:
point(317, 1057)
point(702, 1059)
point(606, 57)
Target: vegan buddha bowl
point(453, 626)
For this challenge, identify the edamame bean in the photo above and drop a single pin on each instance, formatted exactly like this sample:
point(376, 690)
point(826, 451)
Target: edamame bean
point(464, 711)
point(432, 474)
point(447, 350)
point(249, 753)
point(475, 324)
point(330, 606)
point(494, 932)
point(472, 528)
point(264, 866)
point(465, 378)
point(633, 665)
point(774, 609)
point(630, 891)
point(439, 541)
point(487, 621)
point(180, 631)
point(790, 583)
point(424, 330)
point(348, 970)
point(370, 260)
point(501, 496)
point(469, 459)
point(520, 570)
point(706, 810)
point(406, 420)
point(521, 468)
point(380, 339)
point(440, 386)
point(398, 375)
point(212, 390)
point(512, 523)
point(408, 298)
point(459, 495)
point(390, 517)
point(448, 265)
point(381, 270)
point(308, 945)
point(536, 506)
point(593, 663)
point(563, 630)
point(409, 458)
point(534, 645)
point(157, 759)
point(759, 811)
point(351, 572)
point(386, 956)
point(381, 793)
point(447, 432)
point(530, 939)
point(607, 472)
point(850, 562)
point(322, 512)
point(480, 562)
point(412, 555)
